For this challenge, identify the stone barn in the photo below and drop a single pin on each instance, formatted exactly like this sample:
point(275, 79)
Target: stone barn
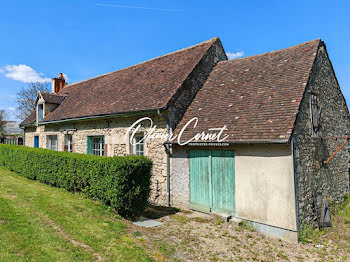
point(283, 117)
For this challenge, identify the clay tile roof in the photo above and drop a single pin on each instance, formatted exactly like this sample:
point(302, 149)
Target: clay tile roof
point(49, 98)
point(146, 86)
point(52, 98)
point(256, 97)
point(29, 120)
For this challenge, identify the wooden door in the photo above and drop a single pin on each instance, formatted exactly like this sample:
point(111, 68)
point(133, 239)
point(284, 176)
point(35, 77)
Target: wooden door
point(200, 180)
point(212, 181)
point(223, 181)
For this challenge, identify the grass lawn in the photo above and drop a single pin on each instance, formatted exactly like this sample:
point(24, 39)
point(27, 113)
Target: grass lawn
point(42, 223)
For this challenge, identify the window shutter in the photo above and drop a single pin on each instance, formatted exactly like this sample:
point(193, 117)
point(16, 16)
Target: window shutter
point(89, 145)
point(315, 115)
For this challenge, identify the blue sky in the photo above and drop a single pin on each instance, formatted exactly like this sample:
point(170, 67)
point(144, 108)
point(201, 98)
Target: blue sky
point(87, 38)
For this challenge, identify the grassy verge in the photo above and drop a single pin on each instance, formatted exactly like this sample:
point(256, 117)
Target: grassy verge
point(41, 223)
point(343, 211)
point(340, 219)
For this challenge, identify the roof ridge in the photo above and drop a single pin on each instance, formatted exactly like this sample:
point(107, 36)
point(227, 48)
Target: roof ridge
point(152, 59)
point(49, 93)
point(270, 52)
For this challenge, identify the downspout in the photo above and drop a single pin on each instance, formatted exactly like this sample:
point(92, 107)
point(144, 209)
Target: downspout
point(167, 150)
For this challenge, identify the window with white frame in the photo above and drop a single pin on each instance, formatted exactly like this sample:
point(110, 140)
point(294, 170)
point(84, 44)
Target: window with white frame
point(40, 112)
point(98, 145)
point(68, 143)
point(138, 145)
point(52, 142)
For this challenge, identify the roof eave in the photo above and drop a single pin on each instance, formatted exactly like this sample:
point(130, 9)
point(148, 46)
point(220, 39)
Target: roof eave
point(94, 117)
point(27, 125)
point(274, 141)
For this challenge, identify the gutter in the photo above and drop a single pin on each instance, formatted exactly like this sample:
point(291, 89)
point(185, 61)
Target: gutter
point(167, 150)
point(97, 117)
point(27, 125)
point(277, 141)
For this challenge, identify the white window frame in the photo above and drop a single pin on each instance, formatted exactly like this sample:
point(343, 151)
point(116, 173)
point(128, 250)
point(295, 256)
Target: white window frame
point(68, 142)
point(51, 143)
point(98, 148)
point(138, 148)
point(41, 116)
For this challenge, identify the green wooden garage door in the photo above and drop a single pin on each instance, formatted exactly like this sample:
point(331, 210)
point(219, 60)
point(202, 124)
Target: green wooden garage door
point(212, 180)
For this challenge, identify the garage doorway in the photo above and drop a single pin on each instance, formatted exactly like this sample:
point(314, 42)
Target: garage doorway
point(212, 181)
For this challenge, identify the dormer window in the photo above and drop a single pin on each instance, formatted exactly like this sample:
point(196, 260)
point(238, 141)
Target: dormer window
point(40, 112)
point(46, 103)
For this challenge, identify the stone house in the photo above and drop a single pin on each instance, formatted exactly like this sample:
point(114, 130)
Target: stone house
point(93, 116)
point(249, 137)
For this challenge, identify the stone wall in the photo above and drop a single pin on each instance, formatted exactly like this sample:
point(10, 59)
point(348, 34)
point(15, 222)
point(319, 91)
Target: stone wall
point(29, 136)
point(114, 131)
point(312, 176)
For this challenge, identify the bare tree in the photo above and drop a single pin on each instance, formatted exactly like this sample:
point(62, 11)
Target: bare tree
point(3, 115)
point(26, 98)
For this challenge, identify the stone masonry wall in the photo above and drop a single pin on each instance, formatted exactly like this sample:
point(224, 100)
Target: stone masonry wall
point(312, 177)
point(114, 131)
point(29, 136)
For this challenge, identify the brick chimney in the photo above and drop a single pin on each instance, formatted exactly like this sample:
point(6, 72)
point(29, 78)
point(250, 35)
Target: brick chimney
point(58, 83)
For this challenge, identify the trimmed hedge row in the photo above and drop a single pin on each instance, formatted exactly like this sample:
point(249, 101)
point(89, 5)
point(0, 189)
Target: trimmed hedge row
point(121, 182)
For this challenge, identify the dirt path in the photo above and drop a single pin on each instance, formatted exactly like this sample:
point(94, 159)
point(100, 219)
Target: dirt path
point(188, 236)
point(68, 237)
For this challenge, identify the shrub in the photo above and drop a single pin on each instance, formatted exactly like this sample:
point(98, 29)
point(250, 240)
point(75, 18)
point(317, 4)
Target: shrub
point(121, 182)
point(309, 234)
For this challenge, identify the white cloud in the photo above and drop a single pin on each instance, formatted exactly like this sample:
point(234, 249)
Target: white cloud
point(231, 55)
point(1, 70)
point(24, 73)
point(11, 108)
point(65, 77)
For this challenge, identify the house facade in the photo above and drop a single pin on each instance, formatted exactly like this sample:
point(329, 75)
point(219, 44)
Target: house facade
point(257, 133)
point(93, 116)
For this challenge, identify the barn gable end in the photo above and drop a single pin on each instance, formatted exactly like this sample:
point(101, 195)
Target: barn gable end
point(311, 147)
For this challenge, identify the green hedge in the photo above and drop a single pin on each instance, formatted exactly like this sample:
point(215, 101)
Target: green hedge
point(121, 182)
